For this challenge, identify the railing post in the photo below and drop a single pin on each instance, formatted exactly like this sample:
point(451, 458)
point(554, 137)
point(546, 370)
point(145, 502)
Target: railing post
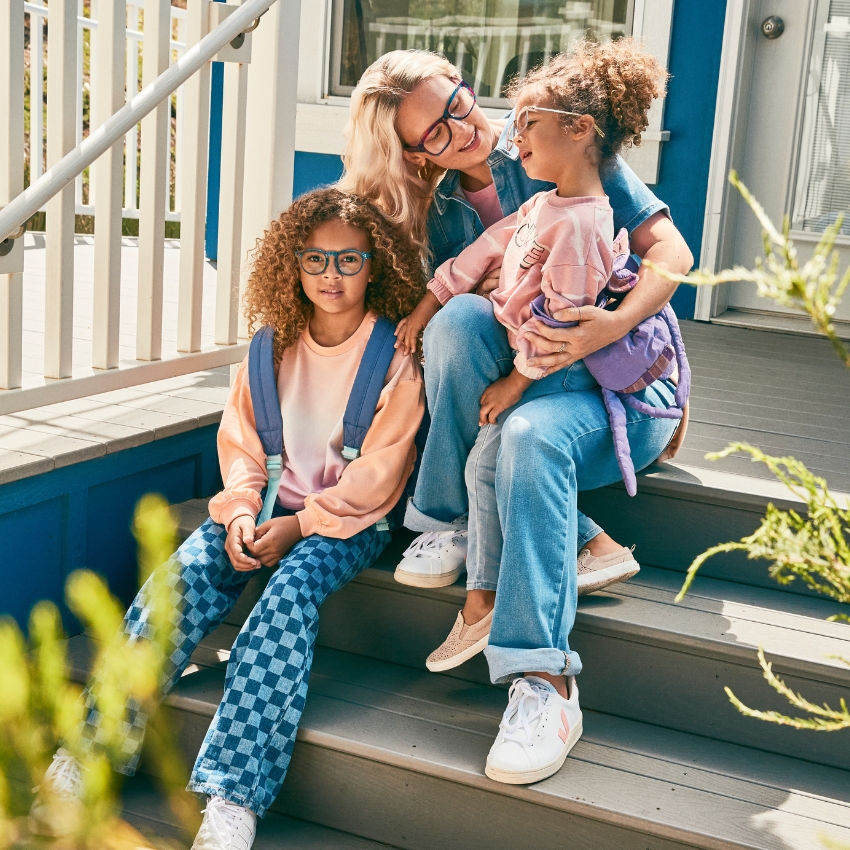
point(195, 142)
point(230, 256)
point(107, 175)
point(270, 146)
point(61, 139)
point(154, 184)
point(11, 184)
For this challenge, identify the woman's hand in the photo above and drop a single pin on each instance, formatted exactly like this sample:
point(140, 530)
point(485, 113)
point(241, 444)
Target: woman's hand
point(274, 538)
point(408, 329)
point(565, 346)
point(240, 536)
point(500, 395)
point(488, 283)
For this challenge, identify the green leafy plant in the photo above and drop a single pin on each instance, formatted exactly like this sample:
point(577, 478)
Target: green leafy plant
point(811, 545)
point(41, 707)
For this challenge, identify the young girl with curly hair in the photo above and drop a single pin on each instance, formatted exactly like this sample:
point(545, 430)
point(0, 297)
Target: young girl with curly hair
point(556, 253)
point(323, 273)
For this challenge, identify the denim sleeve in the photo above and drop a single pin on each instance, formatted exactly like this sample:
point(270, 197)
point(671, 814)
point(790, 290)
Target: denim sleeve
point(630, 198)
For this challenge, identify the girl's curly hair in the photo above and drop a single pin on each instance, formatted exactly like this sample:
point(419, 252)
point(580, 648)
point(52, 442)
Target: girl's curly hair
point(274, 295)
point(615, 83)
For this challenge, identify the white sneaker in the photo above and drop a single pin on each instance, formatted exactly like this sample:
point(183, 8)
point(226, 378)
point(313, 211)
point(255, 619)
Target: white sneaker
point(57, 808)
point(226, 826)
point(434, 559)
point(538, 729)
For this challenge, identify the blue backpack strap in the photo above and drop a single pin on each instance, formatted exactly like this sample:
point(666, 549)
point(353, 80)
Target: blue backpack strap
point(267, 418)
point(368, 384)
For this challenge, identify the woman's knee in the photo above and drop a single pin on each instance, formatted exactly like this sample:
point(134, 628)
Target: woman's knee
point(461, 317)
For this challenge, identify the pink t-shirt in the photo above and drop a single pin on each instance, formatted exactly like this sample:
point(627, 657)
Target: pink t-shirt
point(486, 204)
point(560, 247)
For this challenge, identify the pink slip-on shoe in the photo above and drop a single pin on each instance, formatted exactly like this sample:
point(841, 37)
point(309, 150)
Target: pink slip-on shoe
point(462, 643)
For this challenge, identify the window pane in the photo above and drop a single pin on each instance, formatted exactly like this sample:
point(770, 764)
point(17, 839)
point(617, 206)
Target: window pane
point(491, 41)
point(823, 177)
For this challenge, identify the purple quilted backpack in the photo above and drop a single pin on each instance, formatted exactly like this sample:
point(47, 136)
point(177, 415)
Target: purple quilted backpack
point(648, 353)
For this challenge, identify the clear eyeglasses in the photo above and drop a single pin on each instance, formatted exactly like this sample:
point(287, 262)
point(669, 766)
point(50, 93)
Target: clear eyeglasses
point(520, 122)
point(348, 262)
point(439, 135)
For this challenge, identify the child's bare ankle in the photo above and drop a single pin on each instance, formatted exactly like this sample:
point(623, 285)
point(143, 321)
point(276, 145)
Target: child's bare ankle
point(479, 603)
point(602, 544)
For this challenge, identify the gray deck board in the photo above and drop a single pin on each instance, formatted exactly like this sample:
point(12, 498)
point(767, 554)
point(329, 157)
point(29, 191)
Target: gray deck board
point(786, 394)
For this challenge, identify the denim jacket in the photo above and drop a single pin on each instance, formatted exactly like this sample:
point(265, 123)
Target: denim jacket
point(453, 223)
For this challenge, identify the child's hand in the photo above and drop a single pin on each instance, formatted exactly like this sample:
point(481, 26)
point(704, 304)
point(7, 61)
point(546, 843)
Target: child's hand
point(500, 395)
point(274, 538)
point(240, 534)
point(408, 329)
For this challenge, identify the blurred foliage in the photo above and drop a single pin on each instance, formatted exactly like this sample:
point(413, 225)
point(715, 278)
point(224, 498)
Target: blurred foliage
point(814, 545)
point(41, 707)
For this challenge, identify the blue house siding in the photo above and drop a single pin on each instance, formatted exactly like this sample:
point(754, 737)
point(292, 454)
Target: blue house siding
point(80, 515)
point(694, 64)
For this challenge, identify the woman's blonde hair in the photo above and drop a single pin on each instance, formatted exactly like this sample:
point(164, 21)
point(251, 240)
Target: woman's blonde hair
point(274, 295)
point(614, 82)
point(374, 165)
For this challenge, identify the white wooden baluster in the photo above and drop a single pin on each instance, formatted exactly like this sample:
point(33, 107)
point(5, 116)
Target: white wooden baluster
point(107, 176)
point(270, 146)
point(230, 257)
point(61, 138)
point(234, 103)
point(195, 142)
point(154, 183)
point(179, 18)
point(132, 138)
point(78, 182)
point(36, 97)
point(12, 182)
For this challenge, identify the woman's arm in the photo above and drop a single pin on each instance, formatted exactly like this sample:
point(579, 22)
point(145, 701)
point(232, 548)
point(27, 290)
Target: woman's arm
point(657, 240)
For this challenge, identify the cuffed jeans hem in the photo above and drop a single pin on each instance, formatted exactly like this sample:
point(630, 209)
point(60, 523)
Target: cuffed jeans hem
point(506, 663)
point(238, 799)
point(481, 585)
point(415, 520)
point(584, 539)
point(124, 769)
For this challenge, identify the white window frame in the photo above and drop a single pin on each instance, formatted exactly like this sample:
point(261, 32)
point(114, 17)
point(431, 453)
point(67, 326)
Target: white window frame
point(321, 118)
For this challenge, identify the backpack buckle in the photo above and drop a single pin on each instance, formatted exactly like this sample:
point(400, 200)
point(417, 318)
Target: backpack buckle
point(349, 453)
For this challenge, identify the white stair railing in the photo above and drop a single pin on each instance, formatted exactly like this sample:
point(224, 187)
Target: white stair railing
point(210, 28)
point(88, 29)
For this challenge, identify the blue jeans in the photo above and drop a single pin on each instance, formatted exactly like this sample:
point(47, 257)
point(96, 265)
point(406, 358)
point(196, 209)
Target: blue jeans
point(526, 472)
point(248, 747)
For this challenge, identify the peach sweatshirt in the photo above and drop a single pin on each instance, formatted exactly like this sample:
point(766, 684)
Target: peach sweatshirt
point(332, 496)
point(562, 247)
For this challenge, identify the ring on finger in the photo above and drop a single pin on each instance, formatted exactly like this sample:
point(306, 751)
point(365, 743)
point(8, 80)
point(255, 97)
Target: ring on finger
point(561, 349)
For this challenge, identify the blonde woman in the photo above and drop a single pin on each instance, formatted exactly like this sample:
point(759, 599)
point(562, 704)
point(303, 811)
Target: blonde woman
point(420, 148)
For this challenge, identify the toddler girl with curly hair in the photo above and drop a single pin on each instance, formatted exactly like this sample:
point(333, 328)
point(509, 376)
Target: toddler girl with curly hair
point(323, 273)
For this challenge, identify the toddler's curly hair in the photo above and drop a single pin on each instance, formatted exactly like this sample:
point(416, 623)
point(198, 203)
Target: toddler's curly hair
point(274, 295)
point(615, 83)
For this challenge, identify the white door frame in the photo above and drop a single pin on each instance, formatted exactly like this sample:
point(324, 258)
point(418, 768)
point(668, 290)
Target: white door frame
point(711, 300)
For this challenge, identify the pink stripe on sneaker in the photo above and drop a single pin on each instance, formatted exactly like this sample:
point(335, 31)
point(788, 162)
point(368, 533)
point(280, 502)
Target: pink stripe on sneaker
point(564, 733)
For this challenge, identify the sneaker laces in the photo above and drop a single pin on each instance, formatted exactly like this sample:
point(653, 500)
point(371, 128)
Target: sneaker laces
point(431, 542)
point(64, 777)
point(526, 702)
point(220, 824)
point(583, 558)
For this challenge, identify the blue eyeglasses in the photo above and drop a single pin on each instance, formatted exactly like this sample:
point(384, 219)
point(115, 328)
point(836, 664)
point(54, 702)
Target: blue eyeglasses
point(348, 261)
point(439, 135)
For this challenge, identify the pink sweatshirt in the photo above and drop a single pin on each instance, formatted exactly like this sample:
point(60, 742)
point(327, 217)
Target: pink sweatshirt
point(332, 496)
point(562, 247)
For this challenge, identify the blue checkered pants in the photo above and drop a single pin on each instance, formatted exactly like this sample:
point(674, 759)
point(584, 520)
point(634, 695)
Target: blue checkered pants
point(248, 747)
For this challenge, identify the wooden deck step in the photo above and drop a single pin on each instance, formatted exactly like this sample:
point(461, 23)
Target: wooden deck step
point(397, 755)
point(632, 638)
point(145, 809)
